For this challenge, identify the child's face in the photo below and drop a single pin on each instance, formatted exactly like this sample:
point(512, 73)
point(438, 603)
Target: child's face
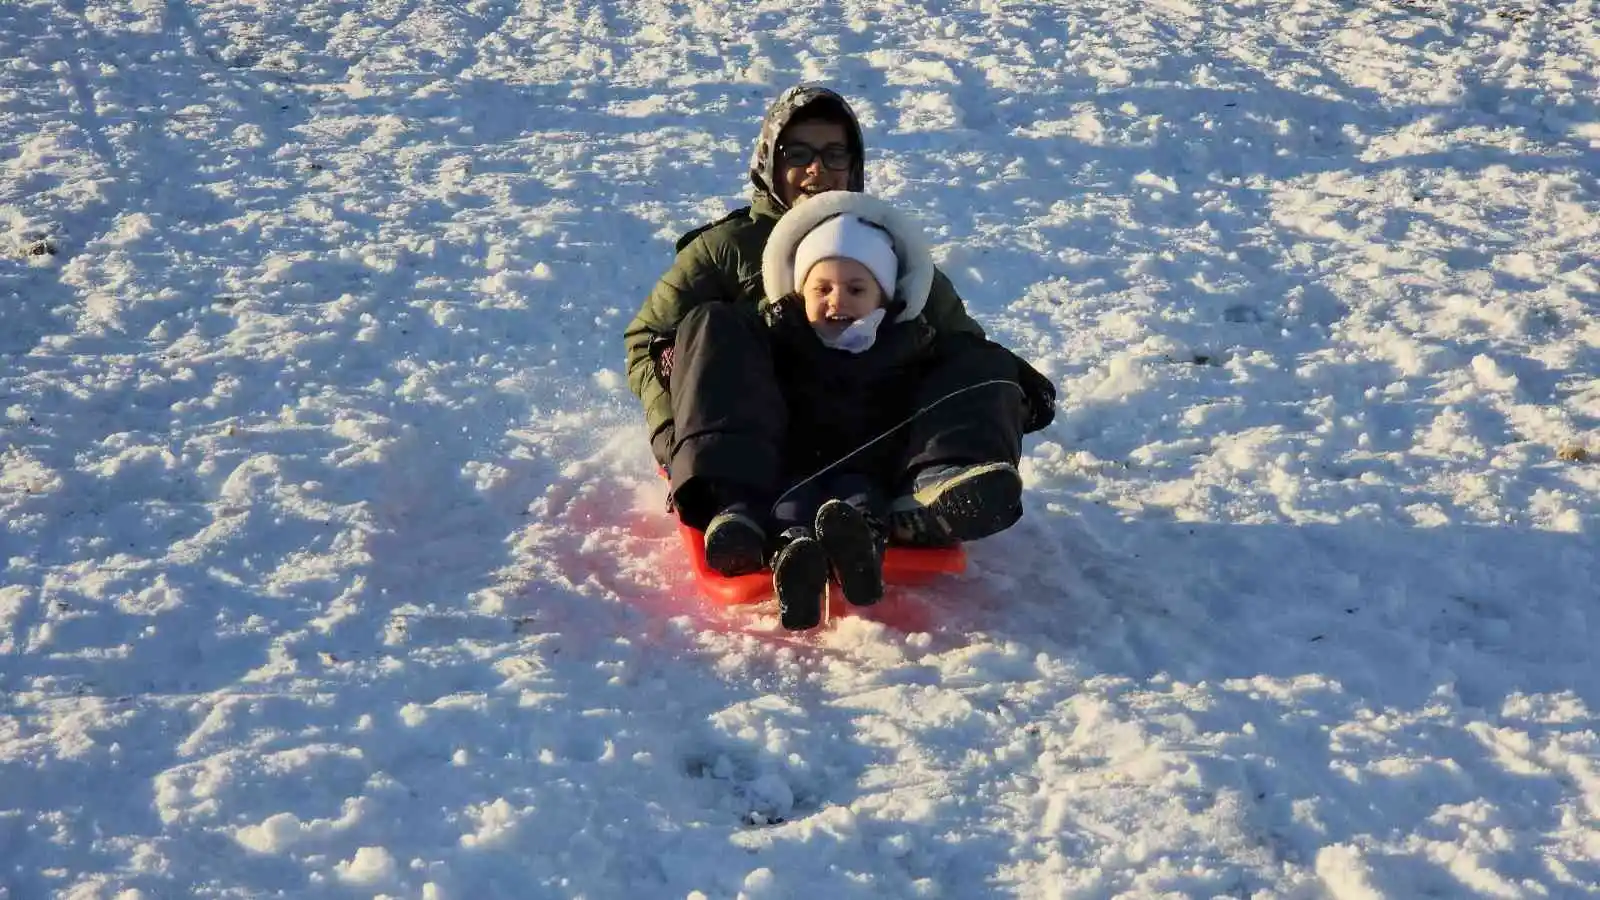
point(837, 292)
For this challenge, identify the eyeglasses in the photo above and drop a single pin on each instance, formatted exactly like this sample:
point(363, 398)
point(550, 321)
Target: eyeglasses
point(834, 156)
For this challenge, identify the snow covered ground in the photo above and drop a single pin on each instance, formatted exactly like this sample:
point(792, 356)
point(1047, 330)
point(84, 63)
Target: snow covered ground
point(334, 563)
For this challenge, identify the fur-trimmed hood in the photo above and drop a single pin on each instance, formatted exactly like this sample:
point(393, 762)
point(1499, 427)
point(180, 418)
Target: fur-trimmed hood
point(910, 246)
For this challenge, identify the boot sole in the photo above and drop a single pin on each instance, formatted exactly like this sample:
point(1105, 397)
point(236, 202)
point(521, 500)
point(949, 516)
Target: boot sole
point(800, 579)
point(737, 548)
point(988, 500)
point(849, 543)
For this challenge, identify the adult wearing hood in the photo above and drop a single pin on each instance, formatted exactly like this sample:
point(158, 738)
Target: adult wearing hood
point(698, 356)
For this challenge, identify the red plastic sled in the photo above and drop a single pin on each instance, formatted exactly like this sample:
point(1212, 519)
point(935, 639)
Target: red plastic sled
point(901, 565)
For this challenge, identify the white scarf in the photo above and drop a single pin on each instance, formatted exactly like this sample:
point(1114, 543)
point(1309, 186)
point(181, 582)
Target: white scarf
point(859, 336)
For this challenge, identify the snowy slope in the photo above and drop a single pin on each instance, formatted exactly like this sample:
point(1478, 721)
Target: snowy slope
point(334, 564)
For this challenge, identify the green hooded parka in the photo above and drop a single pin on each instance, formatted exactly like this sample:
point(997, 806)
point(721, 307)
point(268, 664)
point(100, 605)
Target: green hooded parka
point(722, 262)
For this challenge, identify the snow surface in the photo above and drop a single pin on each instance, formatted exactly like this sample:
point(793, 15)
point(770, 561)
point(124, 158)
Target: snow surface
point(335, 563)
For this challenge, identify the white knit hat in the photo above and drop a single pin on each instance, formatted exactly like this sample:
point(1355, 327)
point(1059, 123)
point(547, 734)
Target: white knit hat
point(849, 237)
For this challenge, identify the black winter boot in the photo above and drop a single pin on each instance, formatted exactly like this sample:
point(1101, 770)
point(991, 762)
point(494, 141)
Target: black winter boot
point(949, 504)
point(854, 542)
point(800, 579)
point(735, 542)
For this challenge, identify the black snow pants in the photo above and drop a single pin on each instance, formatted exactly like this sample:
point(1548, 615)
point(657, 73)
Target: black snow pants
point(728, 413)
point(731, 421)
point(982, 422)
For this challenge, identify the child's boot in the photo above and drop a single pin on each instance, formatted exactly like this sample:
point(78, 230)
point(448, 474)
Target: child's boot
point(854, 543)
point(800, 579)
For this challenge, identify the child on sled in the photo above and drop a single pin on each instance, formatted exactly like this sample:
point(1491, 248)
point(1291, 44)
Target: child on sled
point(842, 335)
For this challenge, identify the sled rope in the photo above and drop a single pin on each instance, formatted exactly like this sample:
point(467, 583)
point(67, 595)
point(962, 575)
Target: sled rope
point(891, 430)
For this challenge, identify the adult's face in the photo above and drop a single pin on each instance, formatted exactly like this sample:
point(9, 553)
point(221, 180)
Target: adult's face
point(820, 142)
